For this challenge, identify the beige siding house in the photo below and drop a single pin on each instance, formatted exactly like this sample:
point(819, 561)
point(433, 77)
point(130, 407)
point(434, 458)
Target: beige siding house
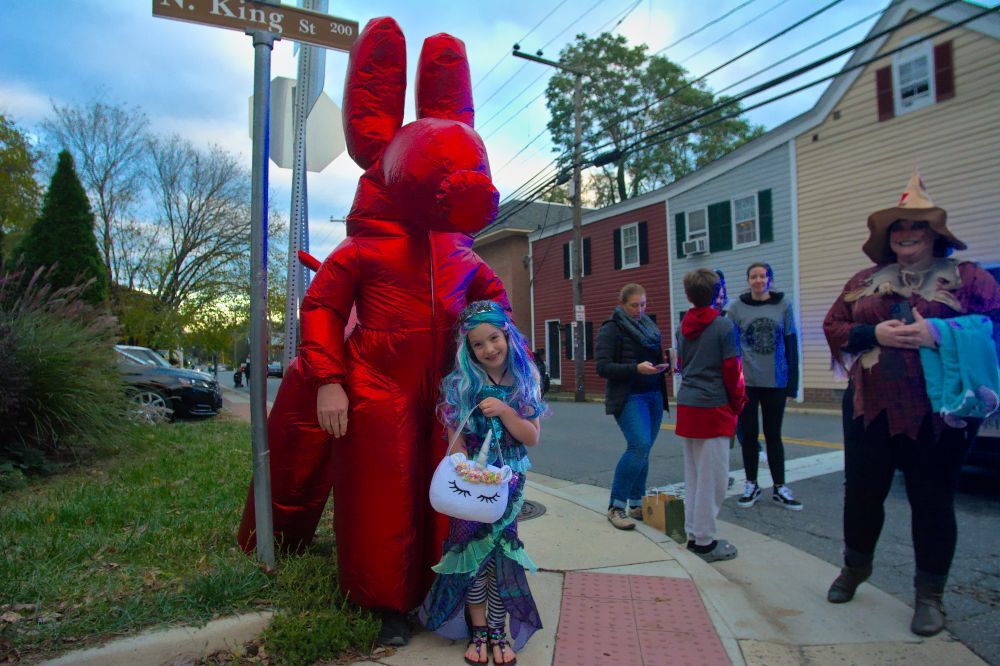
point(935, 104)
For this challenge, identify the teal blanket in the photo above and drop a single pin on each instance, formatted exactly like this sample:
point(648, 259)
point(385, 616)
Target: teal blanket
point(962, 374)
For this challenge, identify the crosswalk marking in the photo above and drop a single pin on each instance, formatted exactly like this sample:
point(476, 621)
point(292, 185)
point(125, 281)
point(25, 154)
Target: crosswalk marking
point(791, 440)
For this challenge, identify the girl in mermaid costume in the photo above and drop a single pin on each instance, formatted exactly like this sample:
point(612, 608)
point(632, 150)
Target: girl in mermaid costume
point(480, 578)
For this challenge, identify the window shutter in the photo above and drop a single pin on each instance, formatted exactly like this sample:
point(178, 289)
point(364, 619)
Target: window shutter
point(883, 93)
point(618, 249)
point(566, 272)
point(944, 72)
point(680, 234)
point(588, 340)
point(643, 244)
point(568, 340)
point(586, 256)
point(766, 220)
point(720, 227)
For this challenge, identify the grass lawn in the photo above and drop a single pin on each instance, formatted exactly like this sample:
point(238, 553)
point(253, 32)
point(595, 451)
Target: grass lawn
point(146, 538)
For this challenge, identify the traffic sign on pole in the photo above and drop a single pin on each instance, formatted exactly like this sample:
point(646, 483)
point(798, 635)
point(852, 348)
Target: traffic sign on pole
point(264, 22)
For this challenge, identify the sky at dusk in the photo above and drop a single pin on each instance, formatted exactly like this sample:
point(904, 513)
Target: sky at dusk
point(194, 81)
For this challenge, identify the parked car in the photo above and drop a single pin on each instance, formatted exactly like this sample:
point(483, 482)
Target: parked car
point(161, 391)
point(274, 369)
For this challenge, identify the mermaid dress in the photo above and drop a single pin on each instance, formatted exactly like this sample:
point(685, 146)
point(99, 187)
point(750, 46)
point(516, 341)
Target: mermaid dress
point(471, 545)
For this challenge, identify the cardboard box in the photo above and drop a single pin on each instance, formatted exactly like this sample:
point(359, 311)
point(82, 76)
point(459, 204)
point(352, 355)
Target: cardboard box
point(665, 512)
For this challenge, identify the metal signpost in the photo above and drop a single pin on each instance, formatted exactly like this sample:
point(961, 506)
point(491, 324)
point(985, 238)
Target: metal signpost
point(264, 22)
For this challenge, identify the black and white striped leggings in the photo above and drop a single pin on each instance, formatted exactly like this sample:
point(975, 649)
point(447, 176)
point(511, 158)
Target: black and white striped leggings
point(484, 589)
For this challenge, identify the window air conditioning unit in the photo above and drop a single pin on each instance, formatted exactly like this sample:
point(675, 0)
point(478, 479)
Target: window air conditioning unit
point(696, 246)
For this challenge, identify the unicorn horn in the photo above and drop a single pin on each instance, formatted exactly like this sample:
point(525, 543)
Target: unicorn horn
point(484, 451)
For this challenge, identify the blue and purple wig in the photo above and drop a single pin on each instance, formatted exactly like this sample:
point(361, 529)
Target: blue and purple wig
point(461, 387)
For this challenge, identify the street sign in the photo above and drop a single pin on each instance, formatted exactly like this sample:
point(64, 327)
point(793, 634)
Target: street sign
point(283, 21)
point(324, 128)
point(580, 312)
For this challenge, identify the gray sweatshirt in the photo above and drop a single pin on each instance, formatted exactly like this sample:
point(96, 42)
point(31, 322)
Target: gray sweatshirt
point(769, 340)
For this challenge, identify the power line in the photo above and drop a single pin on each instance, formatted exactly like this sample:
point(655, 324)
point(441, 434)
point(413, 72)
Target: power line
point(789, 75)
point(801, 70)
point(745, 53)
point(668, 134)
point(678, 124)
point(732, 32)
point(716, 69)
point(526, 35)
point(707, 25)
point(730, 61)
point(514, 75)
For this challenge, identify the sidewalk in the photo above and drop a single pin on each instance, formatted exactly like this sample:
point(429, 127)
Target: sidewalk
point(768, 606)
point(620, 598)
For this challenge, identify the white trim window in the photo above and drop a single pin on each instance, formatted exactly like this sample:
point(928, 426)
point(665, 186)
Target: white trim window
point(746, 222)
point(630, 245)
point(696, 224)
point(913, 77)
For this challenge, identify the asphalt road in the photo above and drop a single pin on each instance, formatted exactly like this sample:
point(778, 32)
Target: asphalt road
point(580, 443)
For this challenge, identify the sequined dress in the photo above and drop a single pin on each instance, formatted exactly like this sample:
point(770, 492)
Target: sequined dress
point(470, 545)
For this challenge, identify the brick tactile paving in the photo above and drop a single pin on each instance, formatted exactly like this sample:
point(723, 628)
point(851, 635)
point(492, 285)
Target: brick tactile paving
point(676, 648)
point(634, 621)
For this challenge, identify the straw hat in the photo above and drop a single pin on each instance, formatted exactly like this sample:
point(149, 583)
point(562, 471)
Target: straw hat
point(915, 205)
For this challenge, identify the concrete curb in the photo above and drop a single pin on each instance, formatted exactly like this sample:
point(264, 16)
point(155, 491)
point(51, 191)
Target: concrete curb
point(164, 646)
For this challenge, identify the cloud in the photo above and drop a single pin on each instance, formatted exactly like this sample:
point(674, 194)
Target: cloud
point(23, 103)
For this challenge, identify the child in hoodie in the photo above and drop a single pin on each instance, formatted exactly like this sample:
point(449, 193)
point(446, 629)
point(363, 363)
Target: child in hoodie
point(711, 396)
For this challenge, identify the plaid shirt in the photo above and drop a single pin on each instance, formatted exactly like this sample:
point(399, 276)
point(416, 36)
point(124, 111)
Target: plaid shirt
point(895, 383)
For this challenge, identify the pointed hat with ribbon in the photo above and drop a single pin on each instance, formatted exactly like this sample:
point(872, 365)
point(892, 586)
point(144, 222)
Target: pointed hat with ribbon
point(916, 205)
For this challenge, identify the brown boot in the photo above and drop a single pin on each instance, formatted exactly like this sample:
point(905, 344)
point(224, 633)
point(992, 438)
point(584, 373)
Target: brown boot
point(635, 513)
point(847, 582)
point(928, 610)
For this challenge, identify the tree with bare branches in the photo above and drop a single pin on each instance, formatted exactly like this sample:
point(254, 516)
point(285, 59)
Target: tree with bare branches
point(109, 142)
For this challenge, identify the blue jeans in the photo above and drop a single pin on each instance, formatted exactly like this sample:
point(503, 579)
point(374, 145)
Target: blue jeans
point(639, 421)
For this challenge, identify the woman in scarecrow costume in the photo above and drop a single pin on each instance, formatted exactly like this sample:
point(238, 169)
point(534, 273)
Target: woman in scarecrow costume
point(876, 329)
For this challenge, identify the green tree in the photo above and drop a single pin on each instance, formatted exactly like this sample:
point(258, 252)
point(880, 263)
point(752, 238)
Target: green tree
point(19, 191)
point(621, 87)
point(63, 236)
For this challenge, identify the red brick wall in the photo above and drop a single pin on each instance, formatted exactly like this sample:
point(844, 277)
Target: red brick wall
point(505, 256)
point(554, 293)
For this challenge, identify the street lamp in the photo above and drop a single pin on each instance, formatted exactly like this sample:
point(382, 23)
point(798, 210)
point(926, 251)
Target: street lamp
point(577, 254)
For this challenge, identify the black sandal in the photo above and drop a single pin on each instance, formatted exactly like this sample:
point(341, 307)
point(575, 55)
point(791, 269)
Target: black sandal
point(479, 639)
point(498, 639)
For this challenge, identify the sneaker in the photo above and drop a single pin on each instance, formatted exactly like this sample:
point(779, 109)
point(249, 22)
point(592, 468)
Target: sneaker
point(751, 493)
point(635, 513)
point(783, 496)
point(617, 517)
point(723, 551)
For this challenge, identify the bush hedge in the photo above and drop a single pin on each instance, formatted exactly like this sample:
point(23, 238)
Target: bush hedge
point(62, 395)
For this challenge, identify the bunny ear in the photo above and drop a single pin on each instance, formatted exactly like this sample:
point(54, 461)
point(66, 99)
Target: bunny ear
point(444, 86)
point(375, 90)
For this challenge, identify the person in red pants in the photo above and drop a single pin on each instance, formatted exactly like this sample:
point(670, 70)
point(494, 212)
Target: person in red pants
point(357, 415)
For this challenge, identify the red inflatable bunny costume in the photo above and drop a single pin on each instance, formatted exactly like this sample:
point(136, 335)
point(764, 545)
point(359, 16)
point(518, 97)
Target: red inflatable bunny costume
point(408, 267)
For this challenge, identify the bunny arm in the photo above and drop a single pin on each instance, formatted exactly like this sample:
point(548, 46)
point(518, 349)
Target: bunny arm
point(325, 312)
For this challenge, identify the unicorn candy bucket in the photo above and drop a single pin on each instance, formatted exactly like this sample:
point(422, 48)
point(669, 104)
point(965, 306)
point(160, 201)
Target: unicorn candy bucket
point(470, 490)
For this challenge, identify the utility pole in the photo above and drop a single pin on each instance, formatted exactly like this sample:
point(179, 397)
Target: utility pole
point(576, 269)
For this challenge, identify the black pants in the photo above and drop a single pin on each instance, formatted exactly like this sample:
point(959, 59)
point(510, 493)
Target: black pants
point(930, 468)
point(772, 407)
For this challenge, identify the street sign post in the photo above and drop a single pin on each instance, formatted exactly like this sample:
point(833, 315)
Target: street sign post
point(283, 21)
point(263, 22)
